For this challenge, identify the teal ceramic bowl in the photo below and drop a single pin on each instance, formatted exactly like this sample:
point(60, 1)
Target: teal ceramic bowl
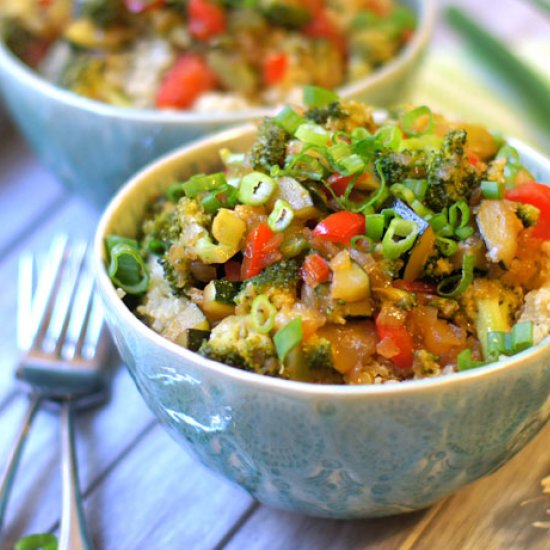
point(332, 451)
point(93, 148)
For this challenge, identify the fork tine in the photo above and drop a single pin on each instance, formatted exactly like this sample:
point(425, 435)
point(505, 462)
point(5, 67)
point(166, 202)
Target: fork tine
point(79, 319)
point(63, 309)
point(95, 330)
point(24, 300)
point(47, 288)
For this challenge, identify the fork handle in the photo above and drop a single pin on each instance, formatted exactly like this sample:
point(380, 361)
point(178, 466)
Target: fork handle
point(14, 457)
point(73, 532)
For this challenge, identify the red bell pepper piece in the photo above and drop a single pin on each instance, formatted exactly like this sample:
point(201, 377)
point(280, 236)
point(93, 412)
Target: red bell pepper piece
point(401, 339)
point(315, 270)
point(206, 19)
point(274, 68)
point(538, 195)
point(322, 27)
point(260, 250)
point(339, 183)
point(189, 78)
point(340, 227)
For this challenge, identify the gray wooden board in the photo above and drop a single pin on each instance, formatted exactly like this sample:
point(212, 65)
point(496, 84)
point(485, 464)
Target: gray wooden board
point(161, 498)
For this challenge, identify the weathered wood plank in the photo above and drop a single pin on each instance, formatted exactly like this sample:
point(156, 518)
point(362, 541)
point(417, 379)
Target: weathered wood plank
point(497, 512)
point(161, 498)
point(28, 193)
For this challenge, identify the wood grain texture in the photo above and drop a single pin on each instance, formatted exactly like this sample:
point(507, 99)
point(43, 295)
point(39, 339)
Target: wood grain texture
point(498, 512)
point(162, 498)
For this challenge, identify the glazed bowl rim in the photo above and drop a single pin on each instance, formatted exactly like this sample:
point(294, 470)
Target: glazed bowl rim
point(124, 314)
point(427, 14)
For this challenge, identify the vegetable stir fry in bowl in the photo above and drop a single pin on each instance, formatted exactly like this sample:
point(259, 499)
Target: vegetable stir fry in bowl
point(328, 247)
point(340, 250)
point(205, 54)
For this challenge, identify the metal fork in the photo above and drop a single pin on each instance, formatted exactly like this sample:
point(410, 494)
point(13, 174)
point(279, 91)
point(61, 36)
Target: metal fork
point(64, 348)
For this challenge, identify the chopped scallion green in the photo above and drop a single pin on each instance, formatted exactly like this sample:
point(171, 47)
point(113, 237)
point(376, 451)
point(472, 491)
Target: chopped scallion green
point(256, 188)
point(262, 314)
point(406, 232)
point(313, 134)
point(454, 286)
point(289, 119)
point(281, 216)
point(410, 119)
point(314, 96)
point(287, 338)
point(493, 190)
point(374, 224)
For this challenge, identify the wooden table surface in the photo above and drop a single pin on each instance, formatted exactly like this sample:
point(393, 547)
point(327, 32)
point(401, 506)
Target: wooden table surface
point(142, 491)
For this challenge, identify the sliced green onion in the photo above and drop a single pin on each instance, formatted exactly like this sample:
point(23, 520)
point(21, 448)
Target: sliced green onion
point(262, 314)
point(464, 361)
point(464, 232)
point(211, 203)
point(421, 210)
point(418, 187)
point(156, 246)
point(374, 224)
point(459, 214)
point(493, 190)
point(199, 183)
point(44, 541)
point(289, 119)
point(302, 165)
point(457, 284)
point(406, 231)
point(353, 164)
point(429, 141)
point(339, 151)
point(402, 192)
point(389, 136)
point(522, 336)
point(256, 188)
point(312, 133)
point(496, 344)
point(446, 246)
point(314, 96)
point(408, 120)
point(287, 338)
point(358, 134)
point(439, 221)
point(127, 270)
point(281, 216)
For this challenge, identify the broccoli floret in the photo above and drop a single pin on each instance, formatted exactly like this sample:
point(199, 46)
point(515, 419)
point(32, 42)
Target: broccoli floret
point(102, 12)
point(397, 166)
point(396, 296)
point(321, 115)
point(279, 282)
point(438, 267)
point(451, 177)
point(269, 148)
point(176, 274)
point(447, 308)
point(491, 307)
point(425, 364)
point(319, 361)
point(318, 353)
point(162, 228)
point(234, 343)
point(528, 214)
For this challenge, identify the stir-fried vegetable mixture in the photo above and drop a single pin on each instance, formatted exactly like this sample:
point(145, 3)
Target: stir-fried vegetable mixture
point(339, 250)
point(204, 54)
